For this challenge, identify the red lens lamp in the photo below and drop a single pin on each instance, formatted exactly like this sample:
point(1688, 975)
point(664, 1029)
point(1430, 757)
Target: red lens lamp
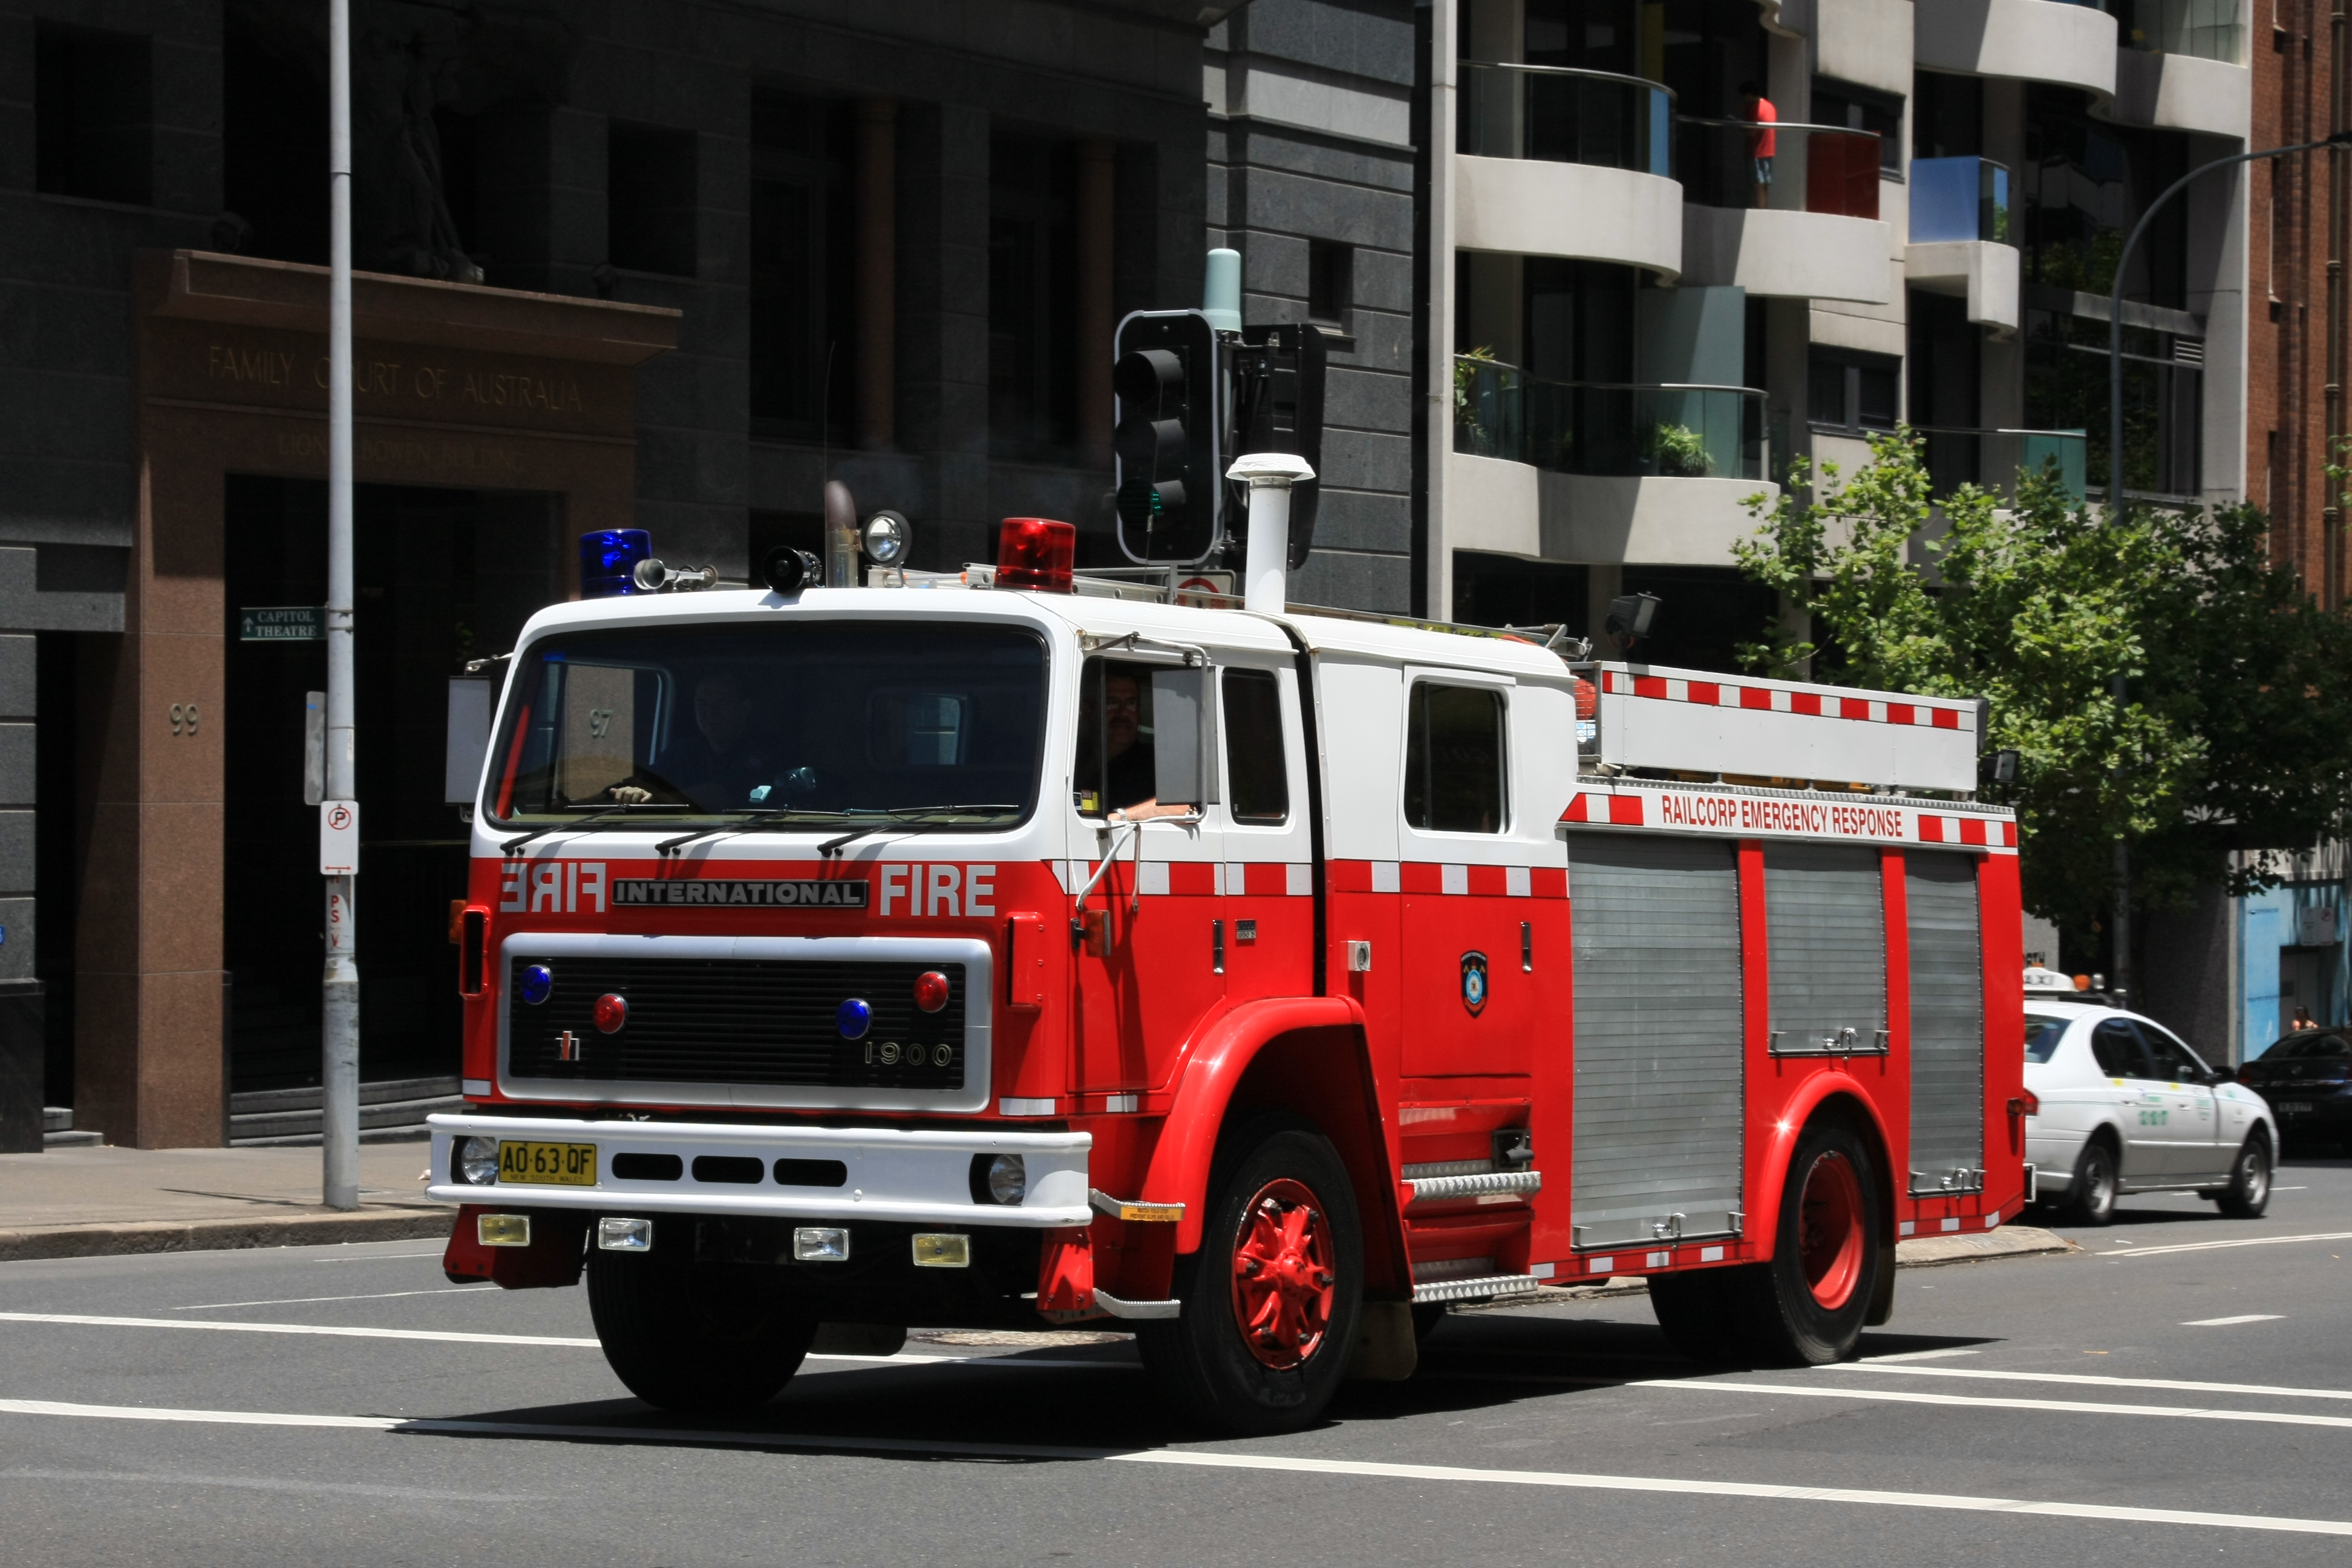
point(1035, 553)
point(930, 991)
point(611, 1012)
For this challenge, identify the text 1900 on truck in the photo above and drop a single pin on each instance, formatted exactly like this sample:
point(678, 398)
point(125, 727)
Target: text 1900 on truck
point(998, 957)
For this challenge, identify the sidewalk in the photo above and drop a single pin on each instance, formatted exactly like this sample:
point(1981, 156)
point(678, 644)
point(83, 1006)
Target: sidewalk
point(88, 1202)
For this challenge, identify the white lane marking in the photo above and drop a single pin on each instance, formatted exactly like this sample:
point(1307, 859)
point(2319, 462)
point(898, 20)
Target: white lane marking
point(1215, 1460)
point(2208, 1246)
point(445, 1336)
point(442, 1336)
point(306, 1300)
point(377, 1257)
point(2290, 1189)
point(2059, 1407)
point(1910, 1355)
point(2097, 1380)
point(2227, 1322)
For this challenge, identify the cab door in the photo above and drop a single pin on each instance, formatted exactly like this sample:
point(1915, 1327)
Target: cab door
point(1468, 997)
point(2191, 1127)
point(1266, 884)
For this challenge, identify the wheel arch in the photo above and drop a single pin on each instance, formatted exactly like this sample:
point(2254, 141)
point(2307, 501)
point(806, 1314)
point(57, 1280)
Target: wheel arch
point(1828, 1094)
point(1305, 1056)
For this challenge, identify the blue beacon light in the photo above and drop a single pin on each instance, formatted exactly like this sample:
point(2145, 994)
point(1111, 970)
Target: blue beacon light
point(607, 557)
point(853, 1018)
point(538, 983)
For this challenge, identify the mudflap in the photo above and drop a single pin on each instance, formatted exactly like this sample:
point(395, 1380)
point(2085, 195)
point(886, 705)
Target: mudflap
point(1882, 1290)
point(558, 1250)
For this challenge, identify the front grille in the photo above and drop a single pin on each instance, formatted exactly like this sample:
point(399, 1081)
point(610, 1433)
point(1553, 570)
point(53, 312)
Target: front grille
point(741, 1021)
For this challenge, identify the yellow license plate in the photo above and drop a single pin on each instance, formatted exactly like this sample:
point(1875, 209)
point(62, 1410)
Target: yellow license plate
point(547, 1164)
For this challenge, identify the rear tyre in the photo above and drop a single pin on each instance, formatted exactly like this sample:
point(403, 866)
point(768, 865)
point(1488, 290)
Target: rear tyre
point(1272, 1296)
point(2249, 1192)
point(700, 1338)
point(1701, 1312)
point(1806, 1306)
point(2091, 1200)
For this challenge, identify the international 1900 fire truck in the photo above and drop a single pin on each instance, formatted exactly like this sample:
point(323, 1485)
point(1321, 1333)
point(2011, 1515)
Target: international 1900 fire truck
point(978, 952)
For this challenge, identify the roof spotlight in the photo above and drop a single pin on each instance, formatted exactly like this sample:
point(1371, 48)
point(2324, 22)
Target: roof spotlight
point(887, 537)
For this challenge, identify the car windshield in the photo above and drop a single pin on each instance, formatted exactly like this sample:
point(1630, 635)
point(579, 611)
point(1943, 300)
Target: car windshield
point(791, 722)
point(2307, 1046)
point(2042, 1034)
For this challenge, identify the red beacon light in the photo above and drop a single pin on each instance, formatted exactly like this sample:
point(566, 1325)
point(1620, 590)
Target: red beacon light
point(930, 991)
point(1035, 553)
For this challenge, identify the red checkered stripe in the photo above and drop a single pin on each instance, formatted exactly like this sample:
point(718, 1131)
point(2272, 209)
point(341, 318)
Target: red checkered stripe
point(1821, 704)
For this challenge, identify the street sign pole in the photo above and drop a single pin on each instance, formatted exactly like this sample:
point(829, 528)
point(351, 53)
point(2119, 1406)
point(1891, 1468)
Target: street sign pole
point(339, 1123)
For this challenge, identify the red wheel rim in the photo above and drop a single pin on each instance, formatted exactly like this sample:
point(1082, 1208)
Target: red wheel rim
point(1829, 1230)
point(1283, 1275)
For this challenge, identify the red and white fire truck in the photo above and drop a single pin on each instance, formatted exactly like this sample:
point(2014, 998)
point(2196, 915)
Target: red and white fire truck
point(969, 954)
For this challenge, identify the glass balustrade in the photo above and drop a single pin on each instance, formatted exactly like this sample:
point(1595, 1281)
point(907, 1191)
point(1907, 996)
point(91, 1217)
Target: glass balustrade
point(1959, 198)
point(1994, 459)
point(2208, 29)
point(1567, 117)
point(1789, 168)
point(1608, 428)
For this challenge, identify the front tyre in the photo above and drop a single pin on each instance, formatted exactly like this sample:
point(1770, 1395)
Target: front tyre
point(694, 1337)
point(1272, 1296)
point(1806, 1307)
point(2249, 1192)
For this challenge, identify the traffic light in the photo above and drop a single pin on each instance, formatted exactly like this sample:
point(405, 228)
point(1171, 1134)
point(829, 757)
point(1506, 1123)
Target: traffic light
point(1278, 402)
point(1167, 439)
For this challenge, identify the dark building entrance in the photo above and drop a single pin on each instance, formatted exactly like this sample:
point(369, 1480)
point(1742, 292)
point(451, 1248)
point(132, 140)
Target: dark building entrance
point(442, 576)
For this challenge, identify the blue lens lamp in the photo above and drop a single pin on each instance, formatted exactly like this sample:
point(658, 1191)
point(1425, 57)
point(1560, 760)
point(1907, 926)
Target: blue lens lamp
point(608, 556)
point(538, 983)
point(853, 1018)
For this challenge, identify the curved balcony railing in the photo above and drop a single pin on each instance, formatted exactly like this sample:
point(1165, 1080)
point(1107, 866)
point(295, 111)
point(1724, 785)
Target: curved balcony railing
point(1995, 459)
point(1789, 168)
point(1959, 198)
point(1608, 428)
point(1567, 116)
point(2208, 29)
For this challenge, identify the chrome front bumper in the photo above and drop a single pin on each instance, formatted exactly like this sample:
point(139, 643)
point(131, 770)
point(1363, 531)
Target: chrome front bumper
point(916, 1176)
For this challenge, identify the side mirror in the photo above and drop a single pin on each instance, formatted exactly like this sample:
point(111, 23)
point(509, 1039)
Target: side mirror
point(2221, 1075)
point(1180, 728)
point(470, 739)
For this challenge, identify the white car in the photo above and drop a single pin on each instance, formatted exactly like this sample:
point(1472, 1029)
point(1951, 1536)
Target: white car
point(2126, 1107)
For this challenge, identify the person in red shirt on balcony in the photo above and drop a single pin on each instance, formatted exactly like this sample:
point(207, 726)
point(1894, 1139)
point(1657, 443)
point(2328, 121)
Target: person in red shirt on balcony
point(1761, 140)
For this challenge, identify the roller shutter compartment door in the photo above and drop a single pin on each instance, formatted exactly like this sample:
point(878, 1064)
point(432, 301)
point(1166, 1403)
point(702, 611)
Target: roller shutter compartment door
point(1947, 1023)
point(1825, 920)
point(1659, 1070)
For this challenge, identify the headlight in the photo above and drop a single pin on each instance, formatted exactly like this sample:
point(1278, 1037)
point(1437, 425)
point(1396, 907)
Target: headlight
point(475, 1161)
point(1004, 1178)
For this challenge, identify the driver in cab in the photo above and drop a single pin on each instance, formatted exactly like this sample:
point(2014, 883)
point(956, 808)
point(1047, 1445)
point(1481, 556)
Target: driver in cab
point(1117, 765)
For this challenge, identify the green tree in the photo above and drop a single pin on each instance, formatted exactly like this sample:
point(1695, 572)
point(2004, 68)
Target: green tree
point(2225, 738)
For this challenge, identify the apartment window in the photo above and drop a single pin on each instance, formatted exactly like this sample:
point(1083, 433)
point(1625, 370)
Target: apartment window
point(650, 195)
point(1946, 116)
point(1033, 276)
point(1854, 392)
point(803, 258)
point(90, 114)
point(1330, 282)
point(1863, 109)
point(1454, 760)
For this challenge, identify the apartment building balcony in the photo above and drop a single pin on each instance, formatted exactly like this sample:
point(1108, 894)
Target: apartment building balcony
point(1799, 221)
point(1961, 237)
point(1594, 471)
point(2182, 67)
point(1556, 162)
point(1996, 459)
point(2024, 40)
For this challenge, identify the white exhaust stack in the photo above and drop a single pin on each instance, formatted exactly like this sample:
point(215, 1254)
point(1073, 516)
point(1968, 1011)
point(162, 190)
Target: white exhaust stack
point(1269, 476)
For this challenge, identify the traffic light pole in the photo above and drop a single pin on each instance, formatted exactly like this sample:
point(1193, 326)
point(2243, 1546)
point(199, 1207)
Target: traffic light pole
point(339, 1121)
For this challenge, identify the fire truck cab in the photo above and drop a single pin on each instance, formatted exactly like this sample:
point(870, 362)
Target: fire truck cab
point(972, 956)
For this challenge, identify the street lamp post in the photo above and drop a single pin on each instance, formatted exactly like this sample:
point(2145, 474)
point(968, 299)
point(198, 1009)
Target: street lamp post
point(2121, 967)
point(339, 1079)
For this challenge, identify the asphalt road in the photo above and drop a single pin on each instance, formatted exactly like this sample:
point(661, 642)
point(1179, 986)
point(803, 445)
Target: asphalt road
point(2179, 1391)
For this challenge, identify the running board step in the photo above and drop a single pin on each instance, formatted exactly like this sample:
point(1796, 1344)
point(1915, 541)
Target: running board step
point(1485, 1288)
point(1429, 1189)
point(1119, 1309)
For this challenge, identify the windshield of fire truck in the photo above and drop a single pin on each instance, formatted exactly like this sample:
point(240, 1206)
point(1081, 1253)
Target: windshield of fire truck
point(808, 723)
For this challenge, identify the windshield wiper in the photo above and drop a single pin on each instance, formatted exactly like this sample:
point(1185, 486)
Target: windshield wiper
point(907, 819)
point(511, 845)
point(751, 819)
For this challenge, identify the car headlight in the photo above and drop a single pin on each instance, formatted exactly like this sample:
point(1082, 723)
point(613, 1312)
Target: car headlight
point(475, 1161)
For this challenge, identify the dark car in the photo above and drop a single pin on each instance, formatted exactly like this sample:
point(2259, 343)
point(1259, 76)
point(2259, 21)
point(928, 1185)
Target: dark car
point(2307, 1079)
